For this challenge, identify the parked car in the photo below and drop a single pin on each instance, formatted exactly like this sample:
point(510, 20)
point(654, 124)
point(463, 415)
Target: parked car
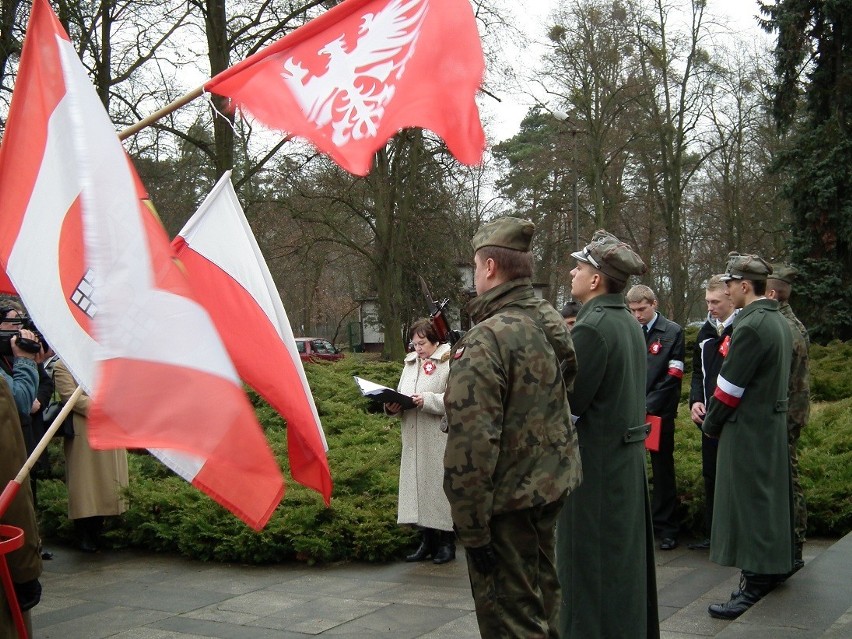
point(312, 349)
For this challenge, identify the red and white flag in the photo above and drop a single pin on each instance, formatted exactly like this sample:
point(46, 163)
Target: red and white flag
point(353, 77)
point(229, 276)
point(95, 271)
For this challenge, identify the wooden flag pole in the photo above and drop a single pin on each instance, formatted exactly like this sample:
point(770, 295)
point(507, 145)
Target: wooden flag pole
point(161, 113)
point(14, 485)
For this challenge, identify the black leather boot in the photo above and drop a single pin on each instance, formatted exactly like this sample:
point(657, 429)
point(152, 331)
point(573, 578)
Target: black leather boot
point(754, 588)
point(446, 550)
point(427, 545)
point(88, 533)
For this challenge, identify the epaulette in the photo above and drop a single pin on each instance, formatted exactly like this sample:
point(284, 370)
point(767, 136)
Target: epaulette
point(595, 316)
point(446, 356)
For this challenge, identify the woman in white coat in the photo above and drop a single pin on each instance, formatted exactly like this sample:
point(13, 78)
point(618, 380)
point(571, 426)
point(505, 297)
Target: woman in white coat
point(421, 475)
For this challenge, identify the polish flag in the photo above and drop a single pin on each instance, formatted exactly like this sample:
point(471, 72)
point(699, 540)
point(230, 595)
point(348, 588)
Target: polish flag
point(95, 271)
point(350, 79)
point(230, 278)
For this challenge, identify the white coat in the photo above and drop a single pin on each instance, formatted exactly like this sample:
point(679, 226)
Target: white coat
point(421, 473)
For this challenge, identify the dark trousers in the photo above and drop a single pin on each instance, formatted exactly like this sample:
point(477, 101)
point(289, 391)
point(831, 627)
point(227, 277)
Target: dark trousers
point(664, 493)
point(520, 598)
point(709, 451)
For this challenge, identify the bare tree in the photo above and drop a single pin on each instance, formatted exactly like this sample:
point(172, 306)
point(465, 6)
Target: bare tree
point(678, 74)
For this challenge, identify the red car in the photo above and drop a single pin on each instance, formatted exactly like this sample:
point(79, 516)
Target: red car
point(312, 349)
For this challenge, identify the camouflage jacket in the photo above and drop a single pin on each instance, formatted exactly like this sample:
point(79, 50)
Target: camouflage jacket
point(799, 400)
point(511, 444)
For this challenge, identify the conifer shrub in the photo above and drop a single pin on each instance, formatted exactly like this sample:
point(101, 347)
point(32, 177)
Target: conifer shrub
point(168, 515)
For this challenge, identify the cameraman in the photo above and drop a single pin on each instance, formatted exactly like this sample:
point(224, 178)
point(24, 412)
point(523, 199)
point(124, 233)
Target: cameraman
point(20, 371)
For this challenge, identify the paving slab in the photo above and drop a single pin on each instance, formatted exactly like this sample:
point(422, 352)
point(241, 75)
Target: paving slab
point(137, 595)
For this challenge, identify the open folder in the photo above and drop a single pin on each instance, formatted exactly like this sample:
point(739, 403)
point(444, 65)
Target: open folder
point(383, 393)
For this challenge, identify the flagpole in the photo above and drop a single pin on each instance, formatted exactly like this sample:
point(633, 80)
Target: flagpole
point(161, 113)
point(14, 485)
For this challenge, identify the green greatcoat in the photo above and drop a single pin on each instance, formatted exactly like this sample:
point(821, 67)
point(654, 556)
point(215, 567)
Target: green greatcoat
point(752, 526)
point(604, 547)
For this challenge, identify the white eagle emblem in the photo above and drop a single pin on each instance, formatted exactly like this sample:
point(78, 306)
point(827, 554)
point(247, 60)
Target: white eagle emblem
point(357, 85)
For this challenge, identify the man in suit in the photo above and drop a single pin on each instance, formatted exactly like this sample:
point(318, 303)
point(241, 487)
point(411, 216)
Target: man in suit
point(665, 352)
point(711, 347)
point(752, 525)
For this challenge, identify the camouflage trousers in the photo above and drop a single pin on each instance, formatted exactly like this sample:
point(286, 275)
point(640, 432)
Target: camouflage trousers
point(800, 508)
point(521, 597)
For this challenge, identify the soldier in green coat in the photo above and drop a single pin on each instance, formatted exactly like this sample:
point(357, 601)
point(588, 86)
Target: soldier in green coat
point(752, 525)
point(605, 538)
point(512, 452)
point(779, 287)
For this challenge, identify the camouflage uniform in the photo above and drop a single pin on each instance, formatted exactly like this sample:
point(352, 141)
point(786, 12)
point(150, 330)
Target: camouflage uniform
point(798, 409)
point(799, 402)
point(511, 455)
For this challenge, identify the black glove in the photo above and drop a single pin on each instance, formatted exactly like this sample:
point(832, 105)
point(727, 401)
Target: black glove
point(483, 558)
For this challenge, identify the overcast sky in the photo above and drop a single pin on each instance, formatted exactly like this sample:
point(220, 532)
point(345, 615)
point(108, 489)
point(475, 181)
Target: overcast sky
point(739, 14)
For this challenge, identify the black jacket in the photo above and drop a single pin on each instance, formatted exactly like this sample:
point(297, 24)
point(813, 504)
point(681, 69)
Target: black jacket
point(707, 358)
point(665, 354)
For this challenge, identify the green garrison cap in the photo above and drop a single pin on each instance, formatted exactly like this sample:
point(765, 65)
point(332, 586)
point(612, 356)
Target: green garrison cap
point(611, 257)
point(746, 267)
point(784, 273)
point(507, 232)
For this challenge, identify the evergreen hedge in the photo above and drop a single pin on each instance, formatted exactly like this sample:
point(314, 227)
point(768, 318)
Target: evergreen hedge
point(167, 514)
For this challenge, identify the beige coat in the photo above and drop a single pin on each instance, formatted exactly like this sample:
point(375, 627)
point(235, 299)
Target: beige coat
point(95, 478)
point(421, 473)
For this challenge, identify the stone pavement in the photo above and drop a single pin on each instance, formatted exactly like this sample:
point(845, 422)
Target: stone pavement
point(131, 594)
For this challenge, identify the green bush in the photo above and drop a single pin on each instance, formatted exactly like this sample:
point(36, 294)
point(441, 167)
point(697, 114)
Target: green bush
point(825, 469)
point(167, 514)
point(831, 375)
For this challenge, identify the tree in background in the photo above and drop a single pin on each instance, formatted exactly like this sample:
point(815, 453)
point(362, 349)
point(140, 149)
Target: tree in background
point(400, 221)
point(813, 108)
point(539, 177)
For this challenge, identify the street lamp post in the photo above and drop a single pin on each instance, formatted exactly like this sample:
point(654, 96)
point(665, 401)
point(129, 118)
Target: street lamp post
point(563, 117)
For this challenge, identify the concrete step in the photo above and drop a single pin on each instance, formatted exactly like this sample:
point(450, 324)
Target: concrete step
point(815, 602)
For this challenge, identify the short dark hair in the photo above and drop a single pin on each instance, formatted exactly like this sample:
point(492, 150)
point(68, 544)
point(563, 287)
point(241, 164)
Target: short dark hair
point(424, 328)
point(782, 289)
point(759, 286)
point(570, 309)
point(612, 285)
point(513, 264)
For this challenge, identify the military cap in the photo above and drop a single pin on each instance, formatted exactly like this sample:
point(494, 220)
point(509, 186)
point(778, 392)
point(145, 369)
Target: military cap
point(746, 267)
point(611, 256)
point(784, 273)
point(507, 232)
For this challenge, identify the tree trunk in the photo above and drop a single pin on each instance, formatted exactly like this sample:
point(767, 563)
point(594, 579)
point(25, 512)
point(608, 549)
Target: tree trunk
point(219, 54)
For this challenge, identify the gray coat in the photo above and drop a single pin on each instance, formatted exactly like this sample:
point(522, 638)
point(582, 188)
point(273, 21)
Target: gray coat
point(421, 471)
point(752, 524)
point(604, 551)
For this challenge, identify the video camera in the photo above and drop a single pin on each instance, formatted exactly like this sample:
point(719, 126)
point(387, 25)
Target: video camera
point(24, 322)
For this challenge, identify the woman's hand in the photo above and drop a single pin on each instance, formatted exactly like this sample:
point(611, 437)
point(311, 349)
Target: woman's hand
point(393, 409)
point(418, 400)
